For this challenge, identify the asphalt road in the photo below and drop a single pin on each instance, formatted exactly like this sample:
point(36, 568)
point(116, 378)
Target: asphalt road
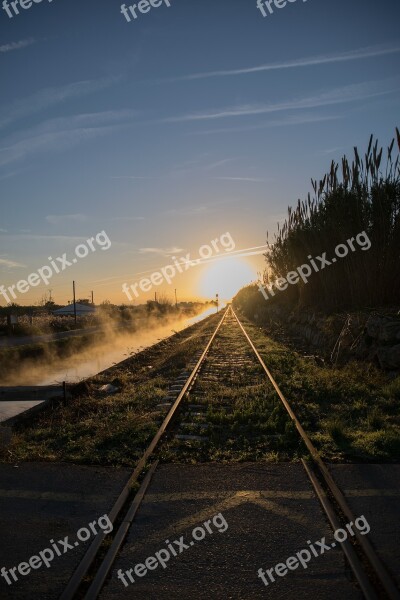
point(374, 491)
point(271, 513)
point(43, 502)
point(258, 515)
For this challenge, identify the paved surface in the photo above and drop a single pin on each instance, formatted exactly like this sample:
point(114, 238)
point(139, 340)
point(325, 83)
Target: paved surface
point(40, 502)
point(374, 491)
point(9, 409)
point(15, 400)
point(271, 512)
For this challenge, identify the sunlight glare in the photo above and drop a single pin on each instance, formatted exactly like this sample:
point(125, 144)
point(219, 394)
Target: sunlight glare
point(225, 277)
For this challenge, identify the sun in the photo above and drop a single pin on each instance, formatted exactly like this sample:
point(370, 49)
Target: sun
point(225, 277)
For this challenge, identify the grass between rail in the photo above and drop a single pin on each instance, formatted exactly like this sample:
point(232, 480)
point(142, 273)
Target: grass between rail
point(244, 420)
point(350, 413)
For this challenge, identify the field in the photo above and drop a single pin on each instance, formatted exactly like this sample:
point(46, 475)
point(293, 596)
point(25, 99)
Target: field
point(350, 413)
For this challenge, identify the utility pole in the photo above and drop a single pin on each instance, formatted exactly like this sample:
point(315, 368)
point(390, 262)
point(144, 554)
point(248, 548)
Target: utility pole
point(92, 299)
point(73, 289)
point(176, 301)
point(216, 297)
point(155, 297)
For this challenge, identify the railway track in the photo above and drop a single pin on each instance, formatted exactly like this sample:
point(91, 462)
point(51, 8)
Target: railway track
point(204, 409)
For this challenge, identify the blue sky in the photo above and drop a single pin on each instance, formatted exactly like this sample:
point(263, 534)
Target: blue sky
point(166, 132)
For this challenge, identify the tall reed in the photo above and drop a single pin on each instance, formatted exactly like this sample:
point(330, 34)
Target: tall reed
point(356, 196)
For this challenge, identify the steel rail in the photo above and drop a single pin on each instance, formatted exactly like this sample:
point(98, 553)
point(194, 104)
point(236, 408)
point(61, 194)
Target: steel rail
point(105, 567)
point(83, 567)
point(346, 546)
point(357, 568)
point(382, 574)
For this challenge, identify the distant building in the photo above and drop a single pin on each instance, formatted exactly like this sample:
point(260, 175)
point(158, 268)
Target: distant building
point(81, 310)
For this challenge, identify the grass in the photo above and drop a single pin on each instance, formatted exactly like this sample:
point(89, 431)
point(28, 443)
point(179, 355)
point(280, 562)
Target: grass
point(256, 428)
point(351, 413)
point(246, 420)
point(110, 430)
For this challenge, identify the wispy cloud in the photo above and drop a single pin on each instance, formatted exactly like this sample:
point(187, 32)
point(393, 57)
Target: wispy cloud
point(200, 209)
point(252, 251)
point(252, 179)
point(218, 163)
point(61, 219)
point(11, 264)
point(38, 237)
point(61, 133)
point(161, 251)
point(189, 167)
point(332, 150)
point(349, 93)
point(127, 219)
point(351, 55)
point(191, 211)
point(49, 97)
point(17, 45)
point(133, 177)
point(289, 120)
point(192, 162)
point(10, 174)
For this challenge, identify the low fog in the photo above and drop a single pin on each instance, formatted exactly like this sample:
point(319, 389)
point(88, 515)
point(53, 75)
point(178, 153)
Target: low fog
point(116, 344)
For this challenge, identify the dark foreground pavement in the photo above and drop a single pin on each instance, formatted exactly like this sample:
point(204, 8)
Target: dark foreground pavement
point(271, 512)
point(374, 491)
point(40, 502)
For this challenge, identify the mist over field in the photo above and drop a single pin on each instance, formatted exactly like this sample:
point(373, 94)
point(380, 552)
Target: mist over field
point(98, 351)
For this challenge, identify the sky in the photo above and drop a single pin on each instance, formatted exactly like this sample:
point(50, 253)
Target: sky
point(198, 121)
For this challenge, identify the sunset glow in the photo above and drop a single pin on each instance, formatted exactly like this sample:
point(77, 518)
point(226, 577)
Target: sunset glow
point(225, 277)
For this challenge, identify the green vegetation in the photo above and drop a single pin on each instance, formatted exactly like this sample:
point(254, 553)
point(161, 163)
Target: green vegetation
point(254, 427)
point(245, 419)
point(364, 197)
point(350, 413)
point(110, 429)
